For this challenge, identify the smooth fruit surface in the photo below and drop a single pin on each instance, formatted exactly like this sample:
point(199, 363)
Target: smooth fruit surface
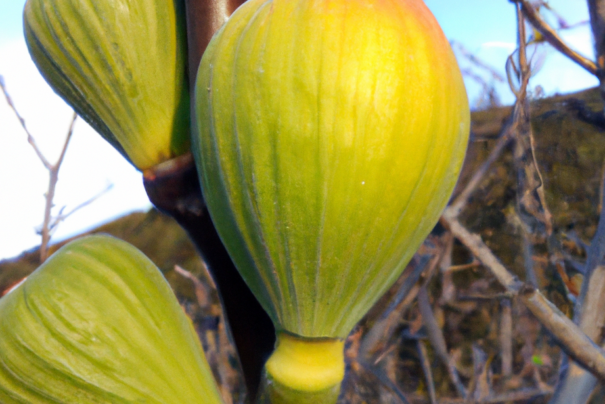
point(330, 135)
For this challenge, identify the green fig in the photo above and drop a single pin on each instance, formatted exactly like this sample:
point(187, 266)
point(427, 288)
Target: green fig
point(330, 135)
point(121, 64)
point(98, 323)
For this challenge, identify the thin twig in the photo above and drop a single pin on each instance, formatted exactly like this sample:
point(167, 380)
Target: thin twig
point(50, 194)
point(531, 201)
point(569, 336)
point(551, 36)
point(571, 339)
point(437, 340)
point(562, 23)
point(523, 65)
point(373, 345)
point(506, 338)
point(30, 138)
point(448, 287)
point(468, 72)
point(384, 379)
point(479, 388)
point(462, 198)
point(477, 62)
point(526, 395)
point(426, 368)
point(594, 257)
point(62, 216)
point(53, 172)
point(485, 298)
point(474, 243)
point(528, 248)
point(201, 292)
point(576, 384)
point(596, 10)
point(463, 267)
point(409, 282)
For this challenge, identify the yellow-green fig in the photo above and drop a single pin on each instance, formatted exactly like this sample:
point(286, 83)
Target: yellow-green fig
point(98, 323)
point(330, 135)
point(121, 64)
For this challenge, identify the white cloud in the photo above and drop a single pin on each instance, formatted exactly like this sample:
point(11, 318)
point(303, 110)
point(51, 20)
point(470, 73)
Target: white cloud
point(509, 46)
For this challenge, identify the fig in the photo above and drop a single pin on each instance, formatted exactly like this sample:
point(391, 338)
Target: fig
point(121, 64)
point(98, 323)
point(329, 137)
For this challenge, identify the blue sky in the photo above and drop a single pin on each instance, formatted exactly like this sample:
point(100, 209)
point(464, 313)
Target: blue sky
point(485, 27)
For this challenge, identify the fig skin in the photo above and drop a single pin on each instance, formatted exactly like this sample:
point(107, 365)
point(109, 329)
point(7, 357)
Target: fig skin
point(98, 323)
point(329, 137)
point(121, 65)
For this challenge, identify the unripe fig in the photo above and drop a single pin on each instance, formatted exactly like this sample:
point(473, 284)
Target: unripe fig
point(121, 64)
point(98, 323)
point(330, 135)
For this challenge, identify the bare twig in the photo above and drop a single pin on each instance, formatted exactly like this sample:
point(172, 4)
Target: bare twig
point(426, 368)
point(528, 249)
point(463, 267)
point(479, 388)
point(424, 262)
point(474, 243)
point(594, 258)
point(448, 287)
point(462, 199)
point(489, 95)
point(485, 298)
point(373, 344)
point(525, 395)
point(53, 172)
point(531, 201)
point(201, 292)
point(596, 9)
point(551, 36)
point(50, 194)
point(62, 216)
point(30, 138)
point(477, 62)
point(561, 22)
point(506, 338)
point(478, 78)
point(437, 340)
point(571, 339)
point(528, 395)
point(576, 384)
point(384, 379)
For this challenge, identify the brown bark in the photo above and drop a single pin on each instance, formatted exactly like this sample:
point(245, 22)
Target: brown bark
point(174, 189)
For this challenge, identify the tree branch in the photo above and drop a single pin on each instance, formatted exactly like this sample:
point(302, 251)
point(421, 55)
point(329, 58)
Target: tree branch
point(50, 194)
point(551, 36)
point(30, 138)
point(53, 172)
point(571, 339)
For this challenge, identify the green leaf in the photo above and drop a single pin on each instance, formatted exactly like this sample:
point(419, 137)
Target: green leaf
point(98, 323)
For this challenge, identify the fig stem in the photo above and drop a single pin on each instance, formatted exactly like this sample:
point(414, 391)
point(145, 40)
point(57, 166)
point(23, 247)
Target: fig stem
point(204, 18)
point(174, 189)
